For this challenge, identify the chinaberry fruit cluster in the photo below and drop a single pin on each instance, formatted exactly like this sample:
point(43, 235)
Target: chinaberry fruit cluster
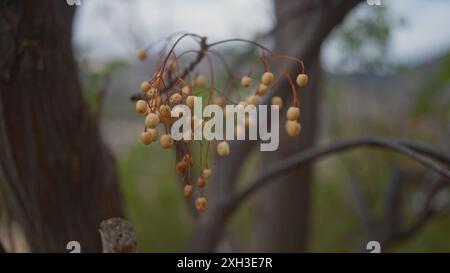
point(171, 86)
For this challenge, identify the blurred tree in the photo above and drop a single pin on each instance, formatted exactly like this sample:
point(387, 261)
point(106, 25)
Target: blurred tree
point(59, 178)
point(283, 208)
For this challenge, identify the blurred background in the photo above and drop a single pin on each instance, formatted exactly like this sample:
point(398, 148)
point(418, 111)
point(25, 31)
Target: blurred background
point(379, 70)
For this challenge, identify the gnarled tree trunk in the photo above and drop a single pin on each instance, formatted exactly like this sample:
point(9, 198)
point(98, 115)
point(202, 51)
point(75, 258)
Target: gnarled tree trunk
point(59, 177)
point(283, 208)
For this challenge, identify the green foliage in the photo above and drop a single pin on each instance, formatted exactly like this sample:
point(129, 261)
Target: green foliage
point(364, 39)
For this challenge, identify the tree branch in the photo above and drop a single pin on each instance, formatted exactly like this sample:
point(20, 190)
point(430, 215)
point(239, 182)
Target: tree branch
point(200, 55)
point(412, 151)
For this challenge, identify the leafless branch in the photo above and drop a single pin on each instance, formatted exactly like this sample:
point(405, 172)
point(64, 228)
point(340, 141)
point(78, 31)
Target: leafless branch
point(200, 55)
point(423, 216)
point(312, 154)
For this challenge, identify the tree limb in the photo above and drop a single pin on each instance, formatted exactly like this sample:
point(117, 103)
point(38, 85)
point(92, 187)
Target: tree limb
point(312, 154)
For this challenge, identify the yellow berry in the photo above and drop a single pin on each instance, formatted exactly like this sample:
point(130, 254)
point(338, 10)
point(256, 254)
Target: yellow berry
point(277, 101)
point(200, 80)
point(185, 90)
point(175, 98)
point(145, 86)
point(302, 80)
point(246, 81)
point(190, 100)
point(152, 120)
point(166, 141)
point(201, 204)
point(141, 106)
point(267, 78)
point(142, 54)
point(223, 148)
point(153, 134)
point(188, 189)
point(252, 100)
point(293, 128)
point(146, 138)
point(206, 173)
point(201, 182)
point(261, 90)
point(293, 113)
point(219, 101)
point(181, 167)
point(164, 111)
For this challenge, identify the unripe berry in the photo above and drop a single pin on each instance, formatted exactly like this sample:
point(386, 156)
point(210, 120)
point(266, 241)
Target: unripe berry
point(223, 148)
point(277, 101)
point(152, 120)
point(302, 80)
point(164, 111)
point(201, 204)
point(153, 134)
point(188, 189)
point(185, 91)
point(206, 173)
point(146, 138)
point(181, 167)
point(201, 182)
point(219, 101)
point(142, 54)
point(293, 128)
point(145, 86)
point(261, 90)
point(267, 78)
point(141, 106)
point(200, 80)
point(175, 98)
point(190, 100)
point(293, 113)
point(252, 100)
point(246, 81)
point(166, 141)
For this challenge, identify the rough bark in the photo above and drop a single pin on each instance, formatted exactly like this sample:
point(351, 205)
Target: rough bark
point(283, 209)
point(59, 177)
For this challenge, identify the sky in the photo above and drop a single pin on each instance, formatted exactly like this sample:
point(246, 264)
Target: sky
point(116, 28)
